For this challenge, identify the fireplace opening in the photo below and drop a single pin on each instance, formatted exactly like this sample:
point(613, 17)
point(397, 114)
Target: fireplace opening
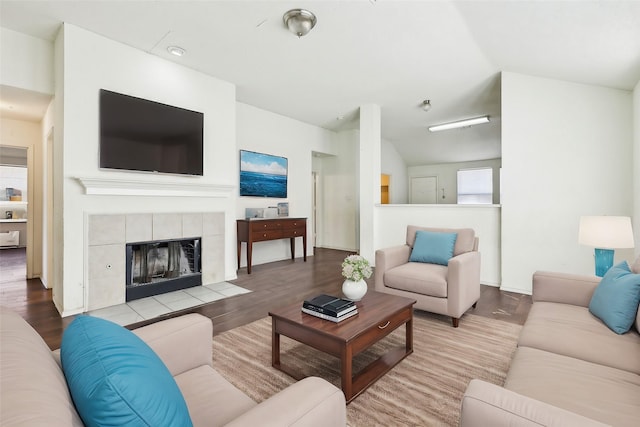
point(162, 266)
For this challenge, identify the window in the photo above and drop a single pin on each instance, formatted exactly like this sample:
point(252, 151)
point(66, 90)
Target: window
point(475, 186)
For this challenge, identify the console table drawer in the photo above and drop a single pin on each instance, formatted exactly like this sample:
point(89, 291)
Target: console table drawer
point(265, 225)
point(258, 236)
point(294, 232)
point(299, 223)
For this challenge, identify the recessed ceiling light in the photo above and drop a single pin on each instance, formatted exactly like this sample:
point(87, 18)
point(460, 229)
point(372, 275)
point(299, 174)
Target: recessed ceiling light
point(176, 50)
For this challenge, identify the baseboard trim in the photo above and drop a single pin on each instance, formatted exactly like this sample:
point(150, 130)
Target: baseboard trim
point(515, 290)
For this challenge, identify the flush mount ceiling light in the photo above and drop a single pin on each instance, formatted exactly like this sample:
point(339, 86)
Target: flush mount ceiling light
point(426, 105)
point(176, 50)
point(299, 21)
point(459, 124)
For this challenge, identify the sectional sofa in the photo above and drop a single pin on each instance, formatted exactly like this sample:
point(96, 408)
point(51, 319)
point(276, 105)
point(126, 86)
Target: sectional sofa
point(569, 369)
point(34, 390)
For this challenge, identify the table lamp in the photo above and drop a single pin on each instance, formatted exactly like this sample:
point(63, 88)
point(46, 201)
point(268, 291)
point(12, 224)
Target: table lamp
point(605, 233)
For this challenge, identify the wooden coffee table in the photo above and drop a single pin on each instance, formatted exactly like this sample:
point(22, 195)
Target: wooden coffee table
point(378, 315)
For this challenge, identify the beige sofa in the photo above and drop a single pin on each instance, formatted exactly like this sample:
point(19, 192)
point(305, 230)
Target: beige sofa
point(33, 390)
point(569, 368)
point(444, 289)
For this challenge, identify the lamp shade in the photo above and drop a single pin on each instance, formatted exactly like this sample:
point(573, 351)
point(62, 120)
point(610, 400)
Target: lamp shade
point(607, 232)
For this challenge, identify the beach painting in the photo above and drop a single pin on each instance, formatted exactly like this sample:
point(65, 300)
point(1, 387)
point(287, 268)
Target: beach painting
point(262, 175)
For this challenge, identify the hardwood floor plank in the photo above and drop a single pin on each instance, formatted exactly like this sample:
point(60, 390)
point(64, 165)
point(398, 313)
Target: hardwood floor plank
point(273, 285)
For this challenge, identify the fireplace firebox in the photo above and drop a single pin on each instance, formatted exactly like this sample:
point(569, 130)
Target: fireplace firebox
point(162, 266)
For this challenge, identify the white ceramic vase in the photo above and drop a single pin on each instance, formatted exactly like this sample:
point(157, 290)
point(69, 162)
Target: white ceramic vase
point(354, 291)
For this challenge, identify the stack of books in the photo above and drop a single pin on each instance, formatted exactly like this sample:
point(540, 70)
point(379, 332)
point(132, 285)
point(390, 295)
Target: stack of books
point(330, 308)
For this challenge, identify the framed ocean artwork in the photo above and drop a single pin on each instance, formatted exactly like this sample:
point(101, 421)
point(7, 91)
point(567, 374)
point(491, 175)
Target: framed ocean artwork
point(263, 175)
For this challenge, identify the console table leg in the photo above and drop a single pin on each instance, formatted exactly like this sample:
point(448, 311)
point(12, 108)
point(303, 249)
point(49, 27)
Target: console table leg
point(249, 251)
point(292, 243)
point(239, 252)
point(304, 246)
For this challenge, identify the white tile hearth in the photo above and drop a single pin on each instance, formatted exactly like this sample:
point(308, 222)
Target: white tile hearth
point(151, 307)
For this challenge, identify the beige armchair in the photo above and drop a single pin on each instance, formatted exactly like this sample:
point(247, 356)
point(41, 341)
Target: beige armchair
point(444, 289)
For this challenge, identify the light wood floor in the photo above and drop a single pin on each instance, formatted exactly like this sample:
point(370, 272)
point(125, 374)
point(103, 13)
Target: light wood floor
point(272, 285)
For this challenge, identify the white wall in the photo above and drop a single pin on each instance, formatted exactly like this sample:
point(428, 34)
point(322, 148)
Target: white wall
point(26, 62)
point(447, 175)
point(265, 132)
point(635, 195)
point(47, 189)
point(338, 183)
point(369, 151)
point(394, 166)
point(392, 220)
point(566, 152)
point(92, 62)
point(57, 223)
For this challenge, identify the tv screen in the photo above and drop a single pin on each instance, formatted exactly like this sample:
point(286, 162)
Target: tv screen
point(141, 135)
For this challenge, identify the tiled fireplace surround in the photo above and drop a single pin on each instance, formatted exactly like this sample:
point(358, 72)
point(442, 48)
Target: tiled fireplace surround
point(107, 236)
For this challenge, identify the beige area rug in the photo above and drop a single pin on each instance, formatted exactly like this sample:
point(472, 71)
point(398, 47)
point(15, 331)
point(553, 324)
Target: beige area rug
point(425, 389)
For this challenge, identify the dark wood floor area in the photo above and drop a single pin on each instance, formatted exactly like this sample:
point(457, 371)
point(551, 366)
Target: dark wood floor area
point(272, 285)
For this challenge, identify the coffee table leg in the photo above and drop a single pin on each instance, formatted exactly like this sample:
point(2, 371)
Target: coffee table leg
point(409, 335)
point(275, 346)
point(347, 371)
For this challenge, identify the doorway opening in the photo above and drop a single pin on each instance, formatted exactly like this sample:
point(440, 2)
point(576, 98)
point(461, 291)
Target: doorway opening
point(13, 213)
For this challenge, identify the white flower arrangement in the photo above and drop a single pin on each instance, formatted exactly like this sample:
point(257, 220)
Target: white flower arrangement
point(356, 268)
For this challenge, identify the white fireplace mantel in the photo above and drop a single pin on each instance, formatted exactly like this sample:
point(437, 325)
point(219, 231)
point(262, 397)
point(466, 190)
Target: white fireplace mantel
point(128, 187)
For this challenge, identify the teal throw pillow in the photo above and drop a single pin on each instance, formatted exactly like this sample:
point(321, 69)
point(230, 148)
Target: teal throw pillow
point(616, 298)
point(433, 247)
point(115, 379)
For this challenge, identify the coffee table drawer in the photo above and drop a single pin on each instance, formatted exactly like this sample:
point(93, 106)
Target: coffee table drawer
point(381, 330)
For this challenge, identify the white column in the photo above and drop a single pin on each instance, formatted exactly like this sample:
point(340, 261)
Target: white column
point(369, 176)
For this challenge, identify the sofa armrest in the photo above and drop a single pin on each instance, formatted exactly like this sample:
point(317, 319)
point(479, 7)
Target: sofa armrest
point(485, 404)
point(310, 402)
point(182, 343)
point(388, 258)
point(564, 288)
point(463, 282)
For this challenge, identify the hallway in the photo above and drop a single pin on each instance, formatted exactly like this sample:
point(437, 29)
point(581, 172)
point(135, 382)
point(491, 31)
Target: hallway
point(13, 264)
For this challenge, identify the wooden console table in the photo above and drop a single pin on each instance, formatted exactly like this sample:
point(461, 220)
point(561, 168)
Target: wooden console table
point(260, 230)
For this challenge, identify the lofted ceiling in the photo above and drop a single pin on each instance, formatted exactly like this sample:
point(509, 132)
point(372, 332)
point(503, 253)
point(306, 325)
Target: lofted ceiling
point(389, 52)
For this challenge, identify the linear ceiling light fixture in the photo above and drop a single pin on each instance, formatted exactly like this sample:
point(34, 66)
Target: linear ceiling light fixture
point(459, 124)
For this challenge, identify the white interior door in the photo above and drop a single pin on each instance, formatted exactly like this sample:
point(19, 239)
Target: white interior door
point(424, 190)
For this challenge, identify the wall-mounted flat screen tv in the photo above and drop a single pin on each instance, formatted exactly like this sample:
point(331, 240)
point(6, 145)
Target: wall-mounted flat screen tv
point(263, 175)
point(141, 135)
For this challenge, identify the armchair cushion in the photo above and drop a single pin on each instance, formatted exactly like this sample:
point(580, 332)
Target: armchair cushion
point(116, 379)
point(420, 278)
point(433, 247)
point(615, 300)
